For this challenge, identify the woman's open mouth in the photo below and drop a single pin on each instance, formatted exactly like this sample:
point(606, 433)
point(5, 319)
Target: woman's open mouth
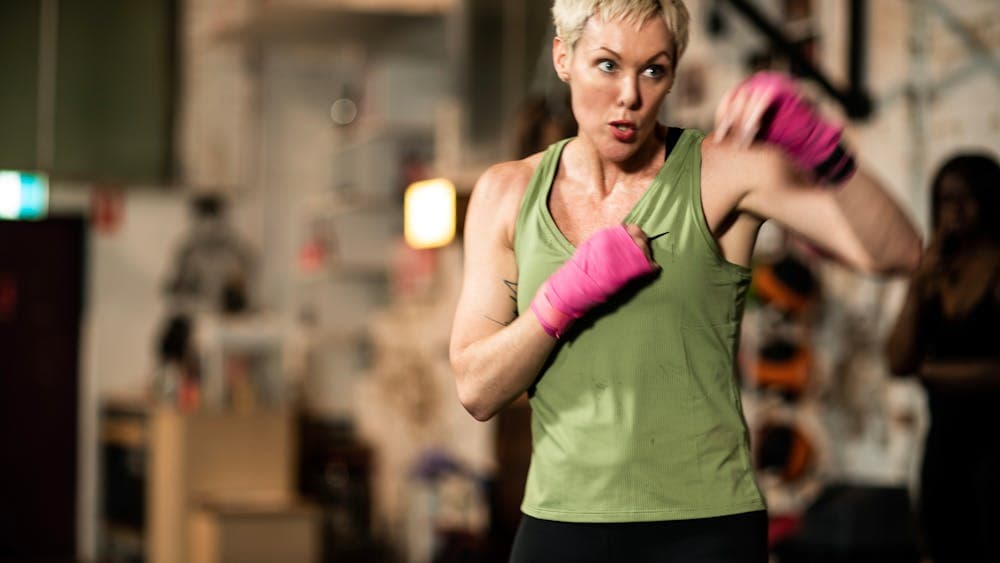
point(623, 131)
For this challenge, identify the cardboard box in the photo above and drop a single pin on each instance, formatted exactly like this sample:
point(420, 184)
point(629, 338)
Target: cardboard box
point(255, 534)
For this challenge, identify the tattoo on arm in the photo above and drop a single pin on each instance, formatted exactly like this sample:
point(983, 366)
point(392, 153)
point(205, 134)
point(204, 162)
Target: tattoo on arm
point(512, 289)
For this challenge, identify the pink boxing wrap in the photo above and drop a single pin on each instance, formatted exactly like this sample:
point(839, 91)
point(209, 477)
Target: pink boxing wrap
point(794, 125)
point(601, 266)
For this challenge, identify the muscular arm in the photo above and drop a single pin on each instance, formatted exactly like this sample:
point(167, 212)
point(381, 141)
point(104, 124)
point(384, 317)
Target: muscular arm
point(857, 220)
point(859, 223)
point(495, 354)
point(884, 238)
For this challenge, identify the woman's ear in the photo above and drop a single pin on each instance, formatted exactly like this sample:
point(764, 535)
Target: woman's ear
point(560, 58)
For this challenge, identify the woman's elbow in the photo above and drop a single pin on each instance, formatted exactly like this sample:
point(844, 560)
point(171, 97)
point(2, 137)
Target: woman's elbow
point(474, 403)
point(469, 394)
point(902, 257)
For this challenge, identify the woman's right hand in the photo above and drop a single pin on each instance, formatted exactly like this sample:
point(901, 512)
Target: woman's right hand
point(601, 266)
point(642, 241)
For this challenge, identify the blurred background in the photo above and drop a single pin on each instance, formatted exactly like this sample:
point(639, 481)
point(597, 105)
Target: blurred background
point(231, 249)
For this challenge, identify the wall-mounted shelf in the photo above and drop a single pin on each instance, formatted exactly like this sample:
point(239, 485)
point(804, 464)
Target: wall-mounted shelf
point(334, 22)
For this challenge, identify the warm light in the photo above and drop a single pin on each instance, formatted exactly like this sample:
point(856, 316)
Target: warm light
point(429, 213)
point(23, 195)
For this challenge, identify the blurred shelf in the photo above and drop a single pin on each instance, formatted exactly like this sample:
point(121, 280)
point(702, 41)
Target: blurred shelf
point(335, 21)
point(383, 7)
point(396, 130)
point(364, 273)
point(343, 336)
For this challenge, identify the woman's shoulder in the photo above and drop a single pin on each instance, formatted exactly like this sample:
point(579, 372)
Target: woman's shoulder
point(496, 198)
point(507, 180)
point(728, 165)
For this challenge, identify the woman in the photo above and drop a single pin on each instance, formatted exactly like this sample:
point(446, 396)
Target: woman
point(606, 276)
point(946, 334)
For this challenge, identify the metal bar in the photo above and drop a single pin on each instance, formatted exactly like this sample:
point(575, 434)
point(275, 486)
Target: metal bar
point(979, 50)
point(855, 101)
point(957, 77)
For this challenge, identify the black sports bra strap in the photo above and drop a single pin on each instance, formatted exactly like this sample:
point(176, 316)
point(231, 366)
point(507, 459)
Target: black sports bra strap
point(673, 134)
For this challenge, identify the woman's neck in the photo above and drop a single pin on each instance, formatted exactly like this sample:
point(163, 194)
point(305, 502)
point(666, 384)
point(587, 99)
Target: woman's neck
point(604, 175)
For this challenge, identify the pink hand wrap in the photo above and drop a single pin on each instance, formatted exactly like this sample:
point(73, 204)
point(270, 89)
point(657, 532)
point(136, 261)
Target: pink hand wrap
point(794, 125)
point(601, 266)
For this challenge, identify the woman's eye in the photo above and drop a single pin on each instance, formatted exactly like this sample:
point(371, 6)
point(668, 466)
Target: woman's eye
point(655, 71)
point(606, 65)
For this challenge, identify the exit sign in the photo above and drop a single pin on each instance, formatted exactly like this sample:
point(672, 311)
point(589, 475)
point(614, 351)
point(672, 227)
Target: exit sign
point(23, 195)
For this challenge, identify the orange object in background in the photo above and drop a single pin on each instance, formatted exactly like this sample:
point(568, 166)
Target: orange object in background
point(784, 448)
point(783, 366)
point(786, 284)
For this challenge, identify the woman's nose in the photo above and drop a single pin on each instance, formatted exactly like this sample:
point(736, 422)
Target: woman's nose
point(629, 96)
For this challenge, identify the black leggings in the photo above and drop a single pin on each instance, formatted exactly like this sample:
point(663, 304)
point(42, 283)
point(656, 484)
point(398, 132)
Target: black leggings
point(740, 538)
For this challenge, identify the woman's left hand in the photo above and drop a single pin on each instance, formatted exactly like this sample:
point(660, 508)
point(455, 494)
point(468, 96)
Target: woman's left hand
point(769, 106)
point(741, 112)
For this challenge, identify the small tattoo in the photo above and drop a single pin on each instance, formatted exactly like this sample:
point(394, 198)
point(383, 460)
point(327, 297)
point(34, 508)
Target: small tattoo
point(501, 323)
point(512, 288)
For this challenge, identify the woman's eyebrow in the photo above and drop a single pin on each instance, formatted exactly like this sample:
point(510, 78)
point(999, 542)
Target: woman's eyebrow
point(617, 55)
point(612, 51)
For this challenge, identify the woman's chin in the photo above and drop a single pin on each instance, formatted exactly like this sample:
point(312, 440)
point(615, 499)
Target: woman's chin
point(610, 149)
point(613, 150)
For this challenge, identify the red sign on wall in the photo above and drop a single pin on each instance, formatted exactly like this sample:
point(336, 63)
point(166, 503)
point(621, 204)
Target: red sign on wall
point(107, 209)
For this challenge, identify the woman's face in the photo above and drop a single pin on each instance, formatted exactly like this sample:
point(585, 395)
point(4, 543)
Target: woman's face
point(618, 76)
point(957, 207)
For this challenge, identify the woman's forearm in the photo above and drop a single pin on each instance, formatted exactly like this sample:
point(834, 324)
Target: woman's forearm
point(963, 374)
point(493, 371)
point(888, 237)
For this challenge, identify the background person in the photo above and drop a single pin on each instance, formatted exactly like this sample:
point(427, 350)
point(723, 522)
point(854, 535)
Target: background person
point(946, 334)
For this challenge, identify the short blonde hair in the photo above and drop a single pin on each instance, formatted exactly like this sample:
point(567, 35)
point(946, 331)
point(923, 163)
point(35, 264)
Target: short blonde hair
point(570, 17)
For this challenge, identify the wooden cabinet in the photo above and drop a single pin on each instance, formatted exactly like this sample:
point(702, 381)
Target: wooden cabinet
point(255, 534)
point(199, 481)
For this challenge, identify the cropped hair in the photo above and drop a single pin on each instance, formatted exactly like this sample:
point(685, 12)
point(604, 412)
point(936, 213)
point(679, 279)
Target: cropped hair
point(570, 17)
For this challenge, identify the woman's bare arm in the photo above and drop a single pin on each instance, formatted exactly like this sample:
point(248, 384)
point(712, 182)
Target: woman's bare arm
point(856, 219)
point(963, 374)
point(859, 223)
point(495, 354)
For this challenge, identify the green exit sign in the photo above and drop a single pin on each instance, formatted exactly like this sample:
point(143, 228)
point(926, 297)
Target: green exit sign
point(23, 195)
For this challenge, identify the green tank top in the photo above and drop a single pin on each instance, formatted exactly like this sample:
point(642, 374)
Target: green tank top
point(637, 414)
